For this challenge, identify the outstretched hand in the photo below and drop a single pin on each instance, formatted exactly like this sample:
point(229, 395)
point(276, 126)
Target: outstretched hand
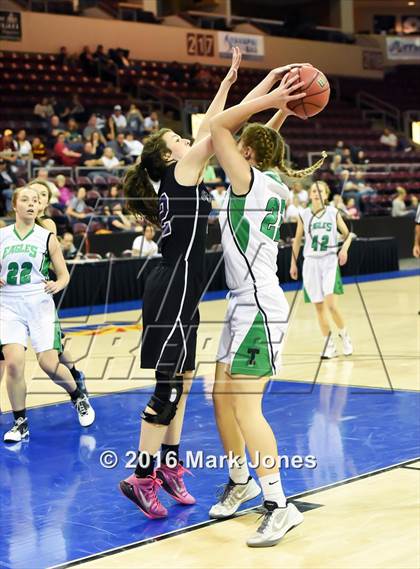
point(232, 74)
point(287, 91)
point(279, 72)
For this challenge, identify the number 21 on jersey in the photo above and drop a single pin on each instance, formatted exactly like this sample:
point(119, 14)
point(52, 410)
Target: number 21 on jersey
point(271, 223)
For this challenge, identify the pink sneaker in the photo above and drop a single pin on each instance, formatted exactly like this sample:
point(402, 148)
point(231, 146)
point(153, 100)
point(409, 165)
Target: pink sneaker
point(142, 491)
point(173, 483)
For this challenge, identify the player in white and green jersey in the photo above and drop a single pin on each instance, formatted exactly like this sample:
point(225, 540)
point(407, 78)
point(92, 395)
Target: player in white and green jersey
point(258, 312)
point(27, 309)
point(320, 224)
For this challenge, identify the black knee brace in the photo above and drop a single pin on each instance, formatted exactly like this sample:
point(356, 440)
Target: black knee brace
point(165, 399)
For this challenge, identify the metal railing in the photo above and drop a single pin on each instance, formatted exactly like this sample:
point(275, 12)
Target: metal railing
point(389, 113)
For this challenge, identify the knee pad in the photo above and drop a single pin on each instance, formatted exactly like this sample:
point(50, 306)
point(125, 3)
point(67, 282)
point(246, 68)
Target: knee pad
point(165, 399)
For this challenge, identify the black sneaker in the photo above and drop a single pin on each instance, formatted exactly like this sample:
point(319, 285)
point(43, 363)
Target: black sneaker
point(18, 432)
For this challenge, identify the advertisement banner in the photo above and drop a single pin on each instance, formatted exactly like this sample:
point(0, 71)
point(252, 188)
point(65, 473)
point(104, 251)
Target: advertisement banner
point(403, 48)
point(10, 26)
point(251, 46)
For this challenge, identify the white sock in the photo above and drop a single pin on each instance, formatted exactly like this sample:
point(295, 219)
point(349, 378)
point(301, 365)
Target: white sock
point(238, 471)
point(342, 332)
point(273, 490)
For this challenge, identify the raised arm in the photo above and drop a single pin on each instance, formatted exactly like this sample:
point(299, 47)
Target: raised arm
point(219, 101)
point(224, 125)
point(297, 242)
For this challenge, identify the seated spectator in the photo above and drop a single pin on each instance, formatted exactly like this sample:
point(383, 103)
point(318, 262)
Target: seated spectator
point(39, 152)
point(352, 211)
point(8, 147)
point(338, 203)
point(121, 150)
point(108, 160)
point(24, 147)
point(114, 197)
point(88, 158)
point(43, 176)
point(218, 197)
point(339, 147)
point(399, 209)
point(98, 143)
point(117, 220)
point(65, 195)
point(63, 57)
point(88, 62)
point(135, 120)
point(73, 134)
point(210, 175)
point(120, 58)
point(91, 127)
point(118, 120)
point(67, 246)
point(151, 123)
point(294, 209)
point(389, 139)
point(299, 191)
point(64, 154)
point(76, 209)
point(143, 245)
point(346, 158)
point(44, 109)
point(336, 166)
point(361, 158)
point(135, 147)
point(55, 127)
point(8, 183)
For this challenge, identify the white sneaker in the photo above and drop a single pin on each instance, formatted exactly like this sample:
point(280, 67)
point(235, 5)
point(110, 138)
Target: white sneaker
point(85, 411)
point(347, 345)
point(232, 497)
point(330, 351)
point(18, 432)
point(276, 523)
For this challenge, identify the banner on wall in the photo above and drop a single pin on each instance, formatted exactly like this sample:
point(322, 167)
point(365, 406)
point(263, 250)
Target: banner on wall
point(252, 47)
point(403, 48)
point(10, 26)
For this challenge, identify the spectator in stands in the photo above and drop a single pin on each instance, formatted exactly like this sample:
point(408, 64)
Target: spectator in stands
point(39, 152)
point(55, 127)
point(389, 139)
point(210, 176)
point(8, 147)
point(218, 196)
point(352, 211)
point(24, 147)
point(294, 209)
point(76, 209)
point(151, 123)
point(346, 158)
point(98, 142)
point(42, 175)
point(118, 221)
point(65, 194)
point(44, 109)
point(91, 127)
point(399, 208)
point(361, 158)
point(134, 146)
point(119, 122)
point(88, 62)
point(88, 158)
point(114, 197)
point(135, 120)
point(73, 135)
point(299, 191)
point(63, 57)
point(107, 68)
point(67, 246)
point(338, 203)
point(121, 150)
point(339, 147)
point(63, 154)
point(109, 160)
point(336, 166)
point(143, 245)
point(8, 182)
point(120, 58)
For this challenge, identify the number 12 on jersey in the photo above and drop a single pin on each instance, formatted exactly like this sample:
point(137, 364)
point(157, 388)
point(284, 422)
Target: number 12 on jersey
point(271, 223)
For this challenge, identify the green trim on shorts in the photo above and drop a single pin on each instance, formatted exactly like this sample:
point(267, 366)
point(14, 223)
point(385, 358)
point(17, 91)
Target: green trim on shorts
point(338, 286)
point(253, 355)
point(57, 335)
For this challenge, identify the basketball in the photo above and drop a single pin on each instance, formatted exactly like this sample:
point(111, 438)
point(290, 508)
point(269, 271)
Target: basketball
point(317, 91)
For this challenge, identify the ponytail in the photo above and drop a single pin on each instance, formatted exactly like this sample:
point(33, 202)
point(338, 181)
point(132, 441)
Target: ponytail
point(281, 165)
point(142, 199)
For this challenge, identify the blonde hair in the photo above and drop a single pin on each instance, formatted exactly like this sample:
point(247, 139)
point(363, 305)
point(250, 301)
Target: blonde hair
point(323, 185)
point(15, 199)
point(43, 183)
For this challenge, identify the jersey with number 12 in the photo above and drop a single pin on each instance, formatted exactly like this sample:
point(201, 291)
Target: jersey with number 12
point(250, 226)
point(24, 261)
point(321, 236)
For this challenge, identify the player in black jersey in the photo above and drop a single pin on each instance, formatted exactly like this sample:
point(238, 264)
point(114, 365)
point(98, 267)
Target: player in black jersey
point(166, 187)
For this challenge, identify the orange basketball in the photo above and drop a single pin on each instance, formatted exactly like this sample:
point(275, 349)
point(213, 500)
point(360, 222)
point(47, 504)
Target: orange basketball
point(317, 91)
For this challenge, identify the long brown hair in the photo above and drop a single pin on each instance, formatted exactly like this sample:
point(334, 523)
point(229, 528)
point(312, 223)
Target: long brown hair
point(137, 187)
point(269, 149)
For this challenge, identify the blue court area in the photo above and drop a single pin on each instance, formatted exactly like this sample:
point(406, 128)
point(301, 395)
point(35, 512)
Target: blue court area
point(59, 504)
